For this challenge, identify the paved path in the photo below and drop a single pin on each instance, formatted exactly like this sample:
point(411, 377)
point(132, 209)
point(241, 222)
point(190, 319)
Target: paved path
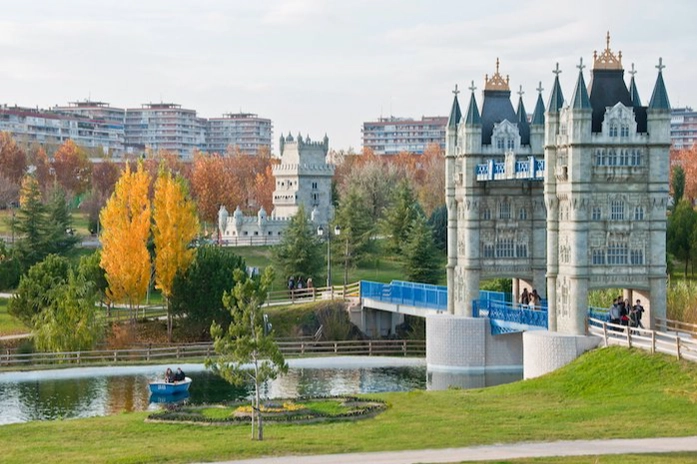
point(494, 452)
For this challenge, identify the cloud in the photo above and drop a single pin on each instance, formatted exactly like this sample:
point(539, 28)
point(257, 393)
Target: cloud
point(288, 12)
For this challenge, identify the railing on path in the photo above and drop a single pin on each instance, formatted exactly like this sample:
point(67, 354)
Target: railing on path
point(651, 340)
point(425, 296)
point(669, 325)
point(204, 350)
point(307, 295)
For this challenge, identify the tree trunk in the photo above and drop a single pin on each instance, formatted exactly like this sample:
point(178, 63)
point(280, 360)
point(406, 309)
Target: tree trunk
point(169, 320)
point(260, 425)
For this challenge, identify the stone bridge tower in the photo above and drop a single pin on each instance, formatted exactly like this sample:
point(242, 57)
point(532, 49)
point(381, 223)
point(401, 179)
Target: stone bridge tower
point(606, 190)
point(496, 215)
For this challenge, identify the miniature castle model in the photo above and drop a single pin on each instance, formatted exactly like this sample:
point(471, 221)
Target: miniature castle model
point(303, 177)
point(572, 200)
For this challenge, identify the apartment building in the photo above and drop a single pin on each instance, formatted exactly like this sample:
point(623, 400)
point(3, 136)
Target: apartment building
point(246, 131)
point(164, 126)
point(393, 135)
point(112, 118)
point(683, 127)
point(50, 128)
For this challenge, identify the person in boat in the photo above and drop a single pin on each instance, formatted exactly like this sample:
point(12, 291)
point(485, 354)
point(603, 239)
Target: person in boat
point(169, 376)
point(179, 376)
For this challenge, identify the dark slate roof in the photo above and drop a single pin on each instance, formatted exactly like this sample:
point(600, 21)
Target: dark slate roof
point(538, 116)
point(659, 97)
point(607, 88)
point(634, 93)
point(472, 116)
point(496, 107)
point(556, 98)
point(523, 126)
point(455, 114)
point(579, 99)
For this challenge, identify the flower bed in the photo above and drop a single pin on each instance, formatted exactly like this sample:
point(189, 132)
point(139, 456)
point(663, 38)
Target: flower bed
point(299, 410)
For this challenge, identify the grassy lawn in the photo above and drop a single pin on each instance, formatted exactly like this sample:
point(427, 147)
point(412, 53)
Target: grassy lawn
point(8, 324)
point(608, 393)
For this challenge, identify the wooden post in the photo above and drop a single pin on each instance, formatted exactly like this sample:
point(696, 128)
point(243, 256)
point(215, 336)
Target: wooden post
point(370, 347)
point(404, 347)
point(78, 357)
point(605, 333)
point(653, 341)
point(335, 348)
point(629, 338)
point(677, 345)
point(115, 356)
point(302, 348)
point(177, 352)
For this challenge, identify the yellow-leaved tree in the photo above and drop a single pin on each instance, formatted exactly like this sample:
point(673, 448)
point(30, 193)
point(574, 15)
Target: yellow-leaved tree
point(125, 223)
point(175, 225)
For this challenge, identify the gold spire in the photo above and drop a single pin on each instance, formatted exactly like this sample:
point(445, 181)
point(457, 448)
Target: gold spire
point(607, 60)
point(496, 82)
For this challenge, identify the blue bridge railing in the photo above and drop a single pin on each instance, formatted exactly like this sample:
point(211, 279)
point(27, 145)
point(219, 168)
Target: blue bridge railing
point(508, 317)
point(407, 293)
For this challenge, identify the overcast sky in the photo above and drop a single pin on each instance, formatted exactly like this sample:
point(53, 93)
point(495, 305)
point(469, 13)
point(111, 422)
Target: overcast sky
point(317, 66)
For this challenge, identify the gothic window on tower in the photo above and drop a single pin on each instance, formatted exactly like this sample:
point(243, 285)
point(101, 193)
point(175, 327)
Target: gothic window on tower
point(595, 214)
point(504, 210)
point(624, 158)
point(523, 214)
point(486, 214)
point(613, 130)
point(617, 210)
point(504, 248)
point(617, 254)
point(598, 256)
point(639, 213)
point(510, 144)
point(488, 251)
point(637, 257)
point(624, 131)
point(521, 250)
point(499, 144)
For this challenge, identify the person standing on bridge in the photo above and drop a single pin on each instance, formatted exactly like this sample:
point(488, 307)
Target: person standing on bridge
point(525, 297)
point(534, 299)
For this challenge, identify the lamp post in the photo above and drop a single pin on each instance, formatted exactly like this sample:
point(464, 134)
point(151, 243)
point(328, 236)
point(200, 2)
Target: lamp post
point(337, 232)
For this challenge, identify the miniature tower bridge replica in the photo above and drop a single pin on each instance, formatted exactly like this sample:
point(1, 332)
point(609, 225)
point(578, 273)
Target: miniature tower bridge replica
point(570, 200)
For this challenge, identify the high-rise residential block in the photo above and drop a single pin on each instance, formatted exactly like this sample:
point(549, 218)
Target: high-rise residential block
point(392, 135)
point(246, 131)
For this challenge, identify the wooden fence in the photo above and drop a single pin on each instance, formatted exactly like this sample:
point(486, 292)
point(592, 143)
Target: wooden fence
point(655, 341)
point(200, 351)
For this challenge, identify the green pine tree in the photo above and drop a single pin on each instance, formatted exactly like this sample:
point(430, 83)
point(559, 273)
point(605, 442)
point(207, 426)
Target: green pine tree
point(422, 262)
point(355, 241)
point(300, 252)
point(399, 216)
point(30, 225)
point(60, 234)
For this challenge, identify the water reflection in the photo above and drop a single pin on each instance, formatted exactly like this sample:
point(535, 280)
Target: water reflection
point(97, 391)
point(85, 392)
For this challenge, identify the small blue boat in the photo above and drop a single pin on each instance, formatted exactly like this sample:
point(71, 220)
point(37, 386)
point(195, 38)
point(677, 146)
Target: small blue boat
point(170, 388)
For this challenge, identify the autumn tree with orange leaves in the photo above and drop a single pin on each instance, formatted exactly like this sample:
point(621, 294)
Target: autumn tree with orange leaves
point(687, 159)
point(175, 226)
point(13, 160)
point(125, 231)
point(72, 167)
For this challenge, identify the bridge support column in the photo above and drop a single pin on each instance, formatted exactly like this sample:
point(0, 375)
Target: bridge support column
point(465, 344)
point(544, 351)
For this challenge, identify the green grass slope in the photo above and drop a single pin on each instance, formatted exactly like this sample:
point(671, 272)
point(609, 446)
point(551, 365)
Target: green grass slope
point(607, 393)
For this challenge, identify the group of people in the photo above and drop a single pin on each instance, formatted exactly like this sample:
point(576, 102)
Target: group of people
point(531, 299)
point(171, 377)
point(623, 313)
point(299, 283)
